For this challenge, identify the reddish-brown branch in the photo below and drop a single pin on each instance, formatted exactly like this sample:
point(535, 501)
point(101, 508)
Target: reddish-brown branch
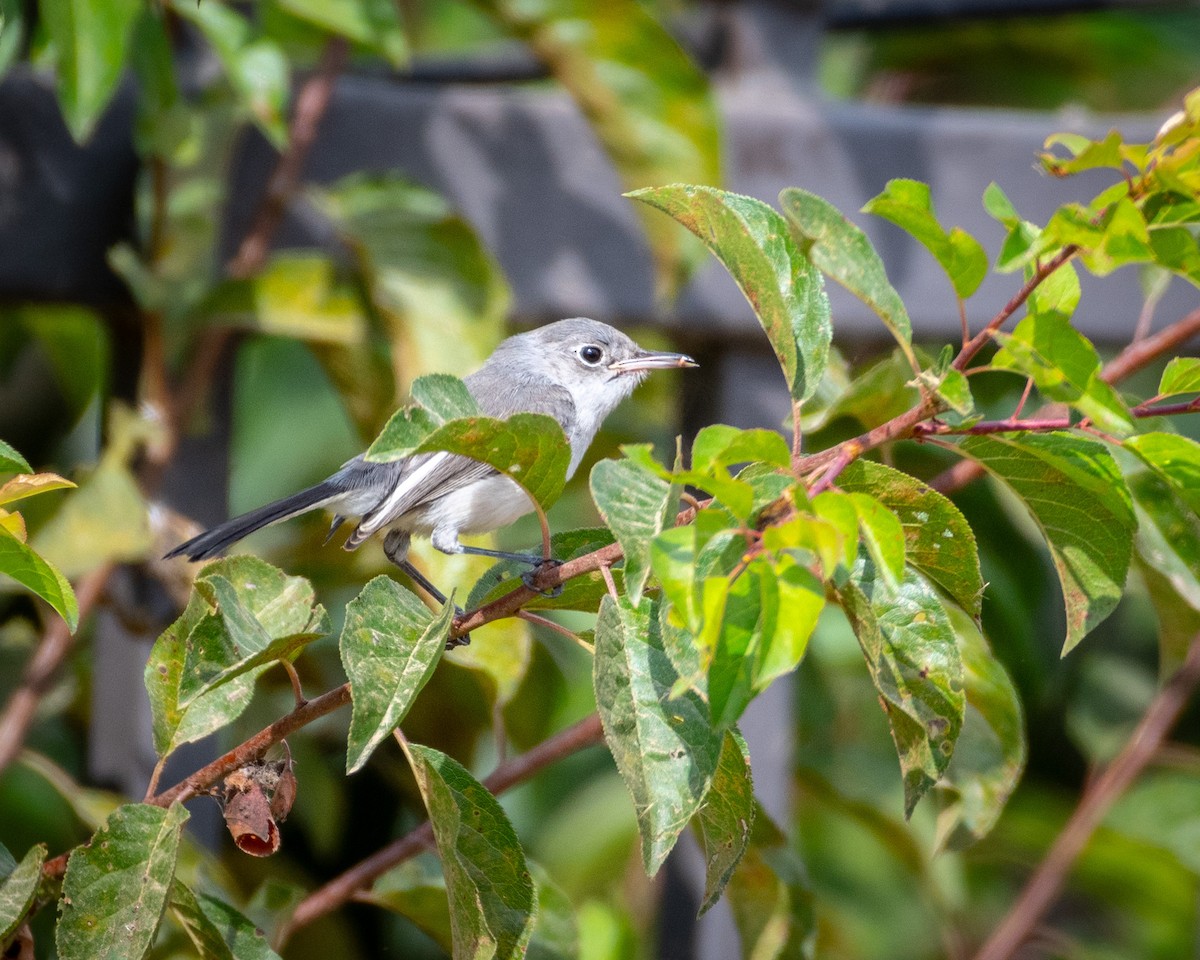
point(311, 102)
point(895, 429)
point(1137, 356)
point(42, 668)
point(253, 748)
point(339, 890)
point(977, 342)
point(1044, 886)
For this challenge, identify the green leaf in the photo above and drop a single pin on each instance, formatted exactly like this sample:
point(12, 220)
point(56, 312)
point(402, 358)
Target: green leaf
point(556, 932)
point(13, 32)
point(882, 535)
point(116, 886)
point(446, 397)
point(256, 615)
point(938, 540)
point(1074, 491)
point(390, 645)
point(664, 748)
point(1178, 250)
point(723, 823)
point(911, 653)
point(1021, 234)
point(692, 563)
point(11, 461)
point(257, 69)
point(217, 930)
point(91, 41)
point(530, 448)
point(434, 284)
point(416, 890)
point(779, 281)
point(1168, 534)
point(842, 250)
point(18, 886)
point(1176, 459)
point(22, 564)
point(720, 446)
point(297, 294)
point(1178, 620)
point(1181, 375)
point(1065, 367)
point(1086, 154)
point(281, 606)
point(909, 205)
point(162, 123)
point(771, 900)
point(105, 520)
point(492, 897)
point(651, 108)
point(989, 756)
point(636, 504)
point(801, 600)
point(375, 24)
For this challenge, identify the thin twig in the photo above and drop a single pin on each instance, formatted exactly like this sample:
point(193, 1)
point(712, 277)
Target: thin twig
point(1044, 886)
point(340, 889)
point(253, 748)
point(311, 102)
point(609, 582)
point(556, 627)
point(52, 650)
point(977, 343)
point(1137, 356)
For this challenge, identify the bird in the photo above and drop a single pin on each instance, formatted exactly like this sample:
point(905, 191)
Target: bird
point(577, 371)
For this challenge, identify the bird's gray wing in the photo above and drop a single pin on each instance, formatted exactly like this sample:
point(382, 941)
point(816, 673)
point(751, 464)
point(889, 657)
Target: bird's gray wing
point(418, 481)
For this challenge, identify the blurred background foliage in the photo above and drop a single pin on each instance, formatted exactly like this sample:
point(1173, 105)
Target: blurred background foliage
point(271, 369)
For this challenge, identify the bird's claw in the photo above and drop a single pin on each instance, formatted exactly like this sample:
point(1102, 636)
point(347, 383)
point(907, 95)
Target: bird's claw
point(460, 641)
point(529, 578)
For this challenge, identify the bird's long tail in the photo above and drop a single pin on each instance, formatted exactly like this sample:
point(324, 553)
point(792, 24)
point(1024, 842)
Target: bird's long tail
point(231, 531)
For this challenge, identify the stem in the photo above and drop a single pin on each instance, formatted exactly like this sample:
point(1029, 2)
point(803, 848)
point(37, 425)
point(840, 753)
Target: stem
point(1129, 361)
point(311, 102)
point(1044, 886)
point(556, 627)
point(587, 732)
point(52, 650)
point(253, 748)
point(797, 436)
point(895, 429)
point(976, 343)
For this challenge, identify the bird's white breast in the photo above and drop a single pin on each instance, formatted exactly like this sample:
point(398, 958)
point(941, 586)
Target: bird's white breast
point(485, 505)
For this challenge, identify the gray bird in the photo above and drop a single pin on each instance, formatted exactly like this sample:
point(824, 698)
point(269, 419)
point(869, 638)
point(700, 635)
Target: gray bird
point(576, 371)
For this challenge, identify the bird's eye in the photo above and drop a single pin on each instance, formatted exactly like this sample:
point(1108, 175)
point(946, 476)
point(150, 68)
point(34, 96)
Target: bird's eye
point(591, 354)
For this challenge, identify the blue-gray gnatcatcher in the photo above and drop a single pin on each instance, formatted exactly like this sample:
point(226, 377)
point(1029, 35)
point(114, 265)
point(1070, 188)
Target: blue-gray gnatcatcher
point(576, 371)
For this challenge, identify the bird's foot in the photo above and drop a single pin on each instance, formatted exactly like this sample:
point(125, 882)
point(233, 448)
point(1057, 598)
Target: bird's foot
point(461, 641)
point(529, 578)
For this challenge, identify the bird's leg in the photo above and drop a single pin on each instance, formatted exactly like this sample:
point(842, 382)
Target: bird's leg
point(448, 543)
point(395, 548)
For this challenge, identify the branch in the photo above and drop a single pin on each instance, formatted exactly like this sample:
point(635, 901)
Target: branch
point(1044, 886)
point(311, 103)
point(51, 651)
point(977, 342)
point(253, 748)
point(1135, 357)
point(325, 899)
point(312, 100)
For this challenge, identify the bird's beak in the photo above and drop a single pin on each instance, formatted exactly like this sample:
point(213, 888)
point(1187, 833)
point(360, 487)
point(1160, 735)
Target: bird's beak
point(652, 360)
